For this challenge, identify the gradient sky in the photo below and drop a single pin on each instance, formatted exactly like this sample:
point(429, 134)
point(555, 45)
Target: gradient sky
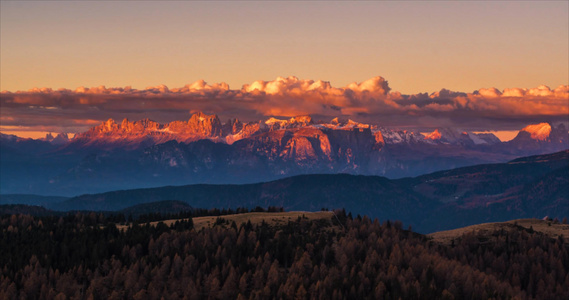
point(418, 47)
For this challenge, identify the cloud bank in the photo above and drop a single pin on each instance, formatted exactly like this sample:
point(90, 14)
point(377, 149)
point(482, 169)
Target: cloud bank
point(371, 101)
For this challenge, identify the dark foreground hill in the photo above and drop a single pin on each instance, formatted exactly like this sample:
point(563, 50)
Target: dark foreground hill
point(531, 187)
point(85, 256)
point(550, 228)
point(309, 192)
point(23, 209)
point(159, 207)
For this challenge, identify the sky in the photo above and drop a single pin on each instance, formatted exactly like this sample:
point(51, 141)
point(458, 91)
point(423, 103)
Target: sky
point(418, 49)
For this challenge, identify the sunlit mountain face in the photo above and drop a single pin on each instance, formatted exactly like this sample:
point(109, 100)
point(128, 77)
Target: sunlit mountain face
point(203, 149)
point(118, 138)
point(284, 150)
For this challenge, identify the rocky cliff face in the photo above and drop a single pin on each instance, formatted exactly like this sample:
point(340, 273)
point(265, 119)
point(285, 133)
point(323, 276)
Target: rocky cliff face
point(146, 132)
point(204, 125)
point(204, 150)
point(336, 146)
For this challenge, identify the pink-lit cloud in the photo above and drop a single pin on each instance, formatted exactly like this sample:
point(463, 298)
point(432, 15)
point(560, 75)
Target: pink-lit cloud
point(369, 101)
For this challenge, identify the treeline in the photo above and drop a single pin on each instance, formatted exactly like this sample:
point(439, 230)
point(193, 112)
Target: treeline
point(122, 217)
point(198, 212)
point(84, 256)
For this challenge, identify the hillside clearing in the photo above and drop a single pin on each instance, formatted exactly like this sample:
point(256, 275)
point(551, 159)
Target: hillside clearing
point(274, 219)
point(271, 218)
point(548, 228)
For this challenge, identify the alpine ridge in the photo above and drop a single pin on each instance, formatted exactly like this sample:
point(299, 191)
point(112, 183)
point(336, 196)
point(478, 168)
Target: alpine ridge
point(203, 149)
point(528, 187)
point(202, 126)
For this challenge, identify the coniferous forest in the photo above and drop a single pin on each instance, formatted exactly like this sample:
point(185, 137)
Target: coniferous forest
point(92, 256)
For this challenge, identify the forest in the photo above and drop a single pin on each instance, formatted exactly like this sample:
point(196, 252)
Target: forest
point(87, 255)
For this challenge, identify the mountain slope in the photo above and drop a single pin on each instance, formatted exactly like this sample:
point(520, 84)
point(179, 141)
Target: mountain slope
point(161, 207)
point(524, 188)
point(30, 199)
point(144, 153)
point(361, 194)
point(531, 187)
point(484, 231)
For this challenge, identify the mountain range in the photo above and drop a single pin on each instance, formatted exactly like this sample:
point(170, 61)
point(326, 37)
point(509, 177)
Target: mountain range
point(203, 149)
point(529, 187)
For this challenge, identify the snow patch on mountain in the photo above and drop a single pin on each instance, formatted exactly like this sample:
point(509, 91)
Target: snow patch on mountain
point(397, 136)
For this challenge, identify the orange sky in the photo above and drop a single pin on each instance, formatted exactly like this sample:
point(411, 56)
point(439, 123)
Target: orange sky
point(418, 46)
point(444, 58)
point(31, 134)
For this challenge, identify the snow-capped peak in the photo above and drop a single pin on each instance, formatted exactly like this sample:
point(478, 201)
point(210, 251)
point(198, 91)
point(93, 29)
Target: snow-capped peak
point(539, 131)
point(273, 120)
point(294, 121)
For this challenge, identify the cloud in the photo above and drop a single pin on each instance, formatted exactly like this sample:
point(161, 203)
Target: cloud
point(370, 101)
point(490, 93)
point(376, 85)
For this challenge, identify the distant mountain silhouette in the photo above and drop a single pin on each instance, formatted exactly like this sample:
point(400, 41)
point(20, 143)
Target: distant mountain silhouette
point(159, 207)
point(535, 186)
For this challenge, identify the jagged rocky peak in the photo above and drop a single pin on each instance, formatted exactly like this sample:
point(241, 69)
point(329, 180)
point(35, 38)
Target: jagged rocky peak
point(205, 125)
point(435, 135)
point(346, 124)
point(125, 123)
point(354, 123)
point(109, 125)
point(398, 136)
point(234, 122)
point(59, 139)
point(104, 128)
point(456, 136)
point(299, 121)
point(147, 124)
point(232, 126)
point(201, 117)
point(139, 127)
point(48, 137)
point(273, 120)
